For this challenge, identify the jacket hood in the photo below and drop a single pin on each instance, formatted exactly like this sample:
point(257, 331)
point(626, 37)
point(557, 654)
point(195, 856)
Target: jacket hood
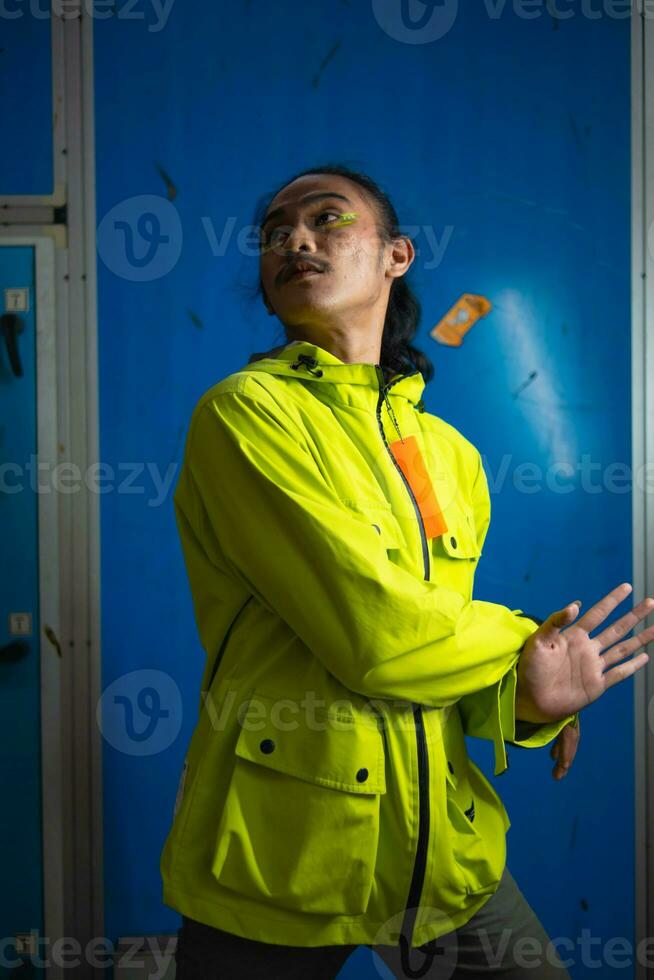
point(309, 362)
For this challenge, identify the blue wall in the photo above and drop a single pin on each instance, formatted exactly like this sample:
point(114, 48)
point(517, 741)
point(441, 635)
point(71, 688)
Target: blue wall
point(505, 138)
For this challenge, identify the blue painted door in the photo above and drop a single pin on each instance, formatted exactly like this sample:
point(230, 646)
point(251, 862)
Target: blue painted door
point(27, 164)
point(21, 895)
point(503, 140)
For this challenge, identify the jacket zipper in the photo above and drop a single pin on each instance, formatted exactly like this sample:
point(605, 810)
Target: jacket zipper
point(418, 876)
point(383, 390)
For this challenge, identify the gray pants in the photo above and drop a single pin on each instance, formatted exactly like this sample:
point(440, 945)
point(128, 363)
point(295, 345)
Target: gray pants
point(505, 938)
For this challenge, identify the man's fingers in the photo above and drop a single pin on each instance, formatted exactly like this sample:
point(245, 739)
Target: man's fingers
point(625, 624)
point(564, 750)
point(593, 617)
point(625, 670)
point(560, 618)
point(596, 615)
point(621, 650)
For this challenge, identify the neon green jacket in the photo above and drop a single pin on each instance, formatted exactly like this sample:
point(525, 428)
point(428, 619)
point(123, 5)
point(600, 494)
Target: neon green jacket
point(327, 789)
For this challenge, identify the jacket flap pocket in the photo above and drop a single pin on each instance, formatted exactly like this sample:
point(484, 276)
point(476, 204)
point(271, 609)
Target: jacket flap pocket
point(337, 751)
point(382, 519)
point(460, 539)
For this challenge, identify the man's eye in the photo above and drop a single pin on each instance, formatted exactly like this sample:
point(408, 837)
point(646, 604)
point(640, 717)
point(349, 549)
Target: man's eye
point(272, 238)
point(276, 235)
point(323, 213)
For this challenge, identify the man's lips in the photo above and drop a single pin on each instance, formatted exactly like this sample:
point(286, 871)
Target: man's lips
point(300, 270)
point(304, 273)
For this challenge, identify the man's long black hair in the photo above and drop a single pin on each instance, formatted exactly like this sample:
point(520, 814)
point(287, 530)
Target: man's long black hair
point(398, 354)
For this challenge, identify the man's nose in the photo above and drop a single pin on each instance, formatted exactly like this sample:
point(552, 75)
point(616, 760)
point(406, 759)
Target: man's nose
point(300, 239)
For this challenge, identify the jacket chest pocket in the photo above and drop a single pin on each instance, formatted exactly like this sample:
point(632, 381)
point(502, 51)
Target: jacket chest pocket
point(379, 518)
point(456, 552)
point(300, 825)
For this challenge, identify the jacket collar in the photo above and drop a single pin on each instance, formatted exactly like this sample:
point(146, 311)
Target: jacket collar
point(309, 362)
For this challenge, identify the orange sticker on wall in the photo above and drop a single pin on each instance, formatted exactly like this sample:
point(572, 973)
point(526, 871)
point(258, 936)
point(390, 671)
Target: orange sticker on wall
point(411, 462)
point(464, 314)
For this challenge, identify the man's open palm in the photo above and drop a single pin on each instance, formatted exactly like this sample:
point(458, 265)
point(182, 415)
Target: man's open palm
point(562, 669)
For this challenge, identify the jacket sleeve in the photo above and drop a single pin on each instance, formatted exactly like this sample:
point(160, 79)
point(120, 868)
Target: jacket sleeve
point(250, 481)
point(490, 713)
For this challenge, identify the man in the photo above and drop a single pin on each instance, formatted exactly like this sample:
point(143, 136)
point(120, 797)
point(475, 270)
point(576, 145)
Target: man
point(331, 528)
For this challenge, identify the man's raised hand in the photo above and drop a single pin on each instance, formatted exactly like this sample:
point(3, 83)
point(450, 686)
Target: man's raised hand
point(562, 669)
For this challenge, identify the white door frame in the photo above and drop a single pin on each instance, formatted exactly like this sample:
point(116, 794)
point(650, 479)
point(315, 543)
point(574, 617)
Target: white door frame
point(642, 341)
point(62, 226)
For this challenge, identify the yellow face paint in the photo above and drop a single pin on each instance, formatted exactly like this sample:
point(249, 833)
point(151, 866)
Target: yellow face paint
point(343, 219)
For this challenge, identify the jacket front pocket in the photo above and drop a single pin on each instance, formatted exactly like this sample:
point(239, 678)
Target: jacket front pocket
point(478, 829)
point(475, 812)
point(300, 825)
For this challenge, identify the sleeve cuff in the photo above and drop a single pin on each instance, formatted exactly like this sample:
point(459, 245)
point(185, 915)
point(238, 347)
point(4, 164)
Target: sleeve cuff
point(524, 734)
point(490, 713)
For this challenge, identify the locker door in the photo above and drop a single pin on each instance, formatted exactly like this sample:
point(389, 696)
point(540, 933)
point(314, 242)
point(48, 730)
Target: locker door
point(21, 857)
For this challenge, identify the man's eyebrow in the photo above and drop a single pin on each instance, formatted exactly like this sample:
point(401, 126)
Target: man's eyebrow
point(315, 196)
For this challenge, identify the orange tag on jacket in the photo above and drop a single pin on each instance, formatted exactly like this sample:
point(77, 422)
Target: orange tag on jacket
point(412, 464)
